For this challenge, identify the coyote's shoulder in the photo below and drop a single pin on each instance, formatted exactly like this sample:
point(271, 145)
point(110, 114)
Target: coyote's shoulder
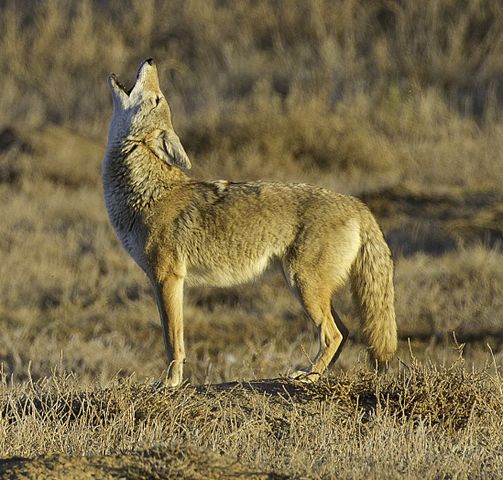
point(220, 233)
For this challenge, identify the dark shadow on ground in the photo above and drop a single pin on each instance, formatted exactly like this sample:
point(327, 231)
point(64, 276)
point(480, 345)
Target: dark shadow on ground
point(416, 221)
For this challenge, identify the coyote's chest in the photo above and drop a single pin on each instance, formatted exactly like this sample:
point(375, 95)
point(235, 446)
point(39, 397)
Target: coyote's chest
point(127, 228)
point(133, 242)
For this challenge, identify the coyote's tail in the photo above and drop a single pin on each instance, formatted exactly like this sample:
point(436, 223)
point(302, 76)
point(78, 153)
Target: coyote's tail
point(372, 285)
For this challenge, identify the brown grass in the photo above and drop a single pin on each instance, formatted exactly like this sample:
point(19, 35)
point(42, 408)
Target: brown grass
point(398, 102)
point(350, 426)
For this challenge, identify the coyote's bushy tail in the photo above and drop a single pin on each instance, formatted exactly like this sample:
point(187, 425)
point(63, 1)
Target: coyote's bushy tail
point(372, 285)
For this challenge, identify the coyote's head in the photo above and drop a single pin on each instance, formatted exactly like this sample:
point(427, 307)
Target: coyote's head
point(142, 115)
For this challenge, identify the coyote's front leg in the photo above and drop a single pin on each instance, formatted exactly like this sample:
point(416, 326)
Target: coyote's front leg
point(169, 297)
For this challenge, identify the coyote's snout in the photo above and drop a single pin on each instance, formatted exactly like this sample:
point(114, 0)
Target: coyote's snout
point(220, 233)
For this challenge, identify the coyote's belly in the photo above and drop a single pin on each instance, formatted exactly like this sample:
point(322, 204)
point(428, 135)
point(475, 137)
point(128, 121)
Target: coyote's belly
point(225, 274)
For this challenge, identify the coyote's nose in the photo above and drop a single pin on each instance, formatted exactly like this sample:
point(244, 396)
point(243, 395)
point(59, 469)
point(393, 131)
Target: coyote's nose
point(150, 61)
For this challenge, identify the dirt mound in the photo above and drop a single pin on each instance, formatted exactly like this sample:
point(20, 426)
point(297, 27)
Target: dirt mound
point(195, 432)
point(448, 395)
point(439, 393)
point(161, 462)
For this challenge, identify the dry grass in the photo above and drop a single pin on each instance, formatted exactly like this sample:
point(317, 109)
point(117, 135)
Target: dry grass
point(398, 102)
point(355, 425)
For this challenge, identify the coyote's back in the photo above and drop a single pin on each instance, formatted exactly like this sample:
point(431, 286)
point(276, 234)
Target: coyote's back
point(221, 233)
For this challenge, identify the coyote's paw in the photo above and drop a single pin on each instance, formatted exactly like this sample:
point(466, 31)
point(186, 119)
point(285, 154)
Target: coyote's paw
point(167, 382)
point(305, 376)
point(161, 385)
point(172, 382)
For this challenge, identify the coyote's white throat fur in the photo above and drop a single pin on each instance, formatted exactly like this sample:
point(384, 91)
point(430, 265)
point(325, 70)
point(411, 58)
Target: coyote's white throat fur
point(181, 230)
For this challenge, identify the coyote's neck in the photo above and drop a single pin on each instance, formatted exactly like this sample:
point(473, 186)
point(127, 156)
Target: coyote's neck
point(136, 178)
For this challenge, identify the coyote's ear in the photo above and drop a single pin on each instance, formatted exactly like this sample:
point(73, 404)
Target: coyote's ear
point(166, 145)
point(119, 96)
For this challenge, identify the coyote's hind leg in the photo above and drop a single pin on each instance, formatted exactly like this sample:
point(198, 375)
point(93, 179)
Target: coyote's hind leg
point(316, 301)
point(314, 279)
point(317, 305)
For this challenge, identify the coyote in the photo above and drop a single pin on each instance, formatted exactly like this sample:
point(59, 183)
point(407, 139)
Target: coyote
point(180, 230)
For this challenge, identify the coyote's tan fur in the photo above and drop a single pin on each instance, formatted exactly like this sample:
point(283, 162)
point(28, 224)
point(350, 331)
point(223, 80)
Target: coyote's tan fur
point(181, 230)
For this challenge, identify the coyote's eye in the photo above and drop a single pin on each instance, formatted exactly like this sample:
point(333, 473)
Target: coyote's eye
point(157, 100)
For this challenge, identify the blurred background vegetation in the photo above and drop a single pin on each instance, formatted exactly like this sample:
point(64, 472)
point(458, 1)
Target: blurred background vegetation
point(396, 101)
point(389, 89)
